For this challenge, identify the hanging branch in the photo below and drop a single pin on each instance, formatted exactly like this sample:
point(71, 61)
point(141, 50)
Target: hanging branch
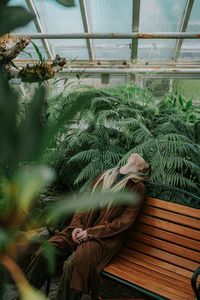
point(42, 70)
point(11, 46)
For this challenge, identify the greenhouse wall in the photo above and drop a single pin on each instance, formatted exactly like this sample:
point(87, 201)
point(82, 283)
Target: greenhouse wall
point(189, 88)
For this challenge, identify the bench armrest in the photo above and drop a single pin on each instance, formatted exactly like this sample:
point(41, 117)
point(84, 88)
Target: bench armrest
point(195, 285)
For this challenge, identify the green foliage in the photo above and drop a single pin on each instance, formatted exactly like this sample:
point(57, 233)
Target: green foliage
point(124, 120)
point(24, 143)
point(23, 173)
point(185, 107)
point(37, 50)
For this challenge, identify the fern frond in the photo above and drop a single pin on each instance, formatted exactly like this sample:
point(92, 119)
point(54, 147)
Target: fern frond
point(84, 156)
point(143, 149)
point(94, 167)
point(165, 128)
point(127, 112)
point(176, 146)
point(179, 180)
point(111, 157)
point(105, 115)
point(142, 134)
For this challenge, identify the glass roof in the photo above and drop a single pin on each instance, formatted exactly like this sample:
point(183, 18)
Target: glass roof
point(162, 16)
point(118, 16)
point(191, 50)
point(110, 16)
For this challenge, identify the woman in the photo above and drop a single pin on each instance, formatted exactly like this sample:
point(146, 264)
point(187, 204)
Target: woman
point(93, 238)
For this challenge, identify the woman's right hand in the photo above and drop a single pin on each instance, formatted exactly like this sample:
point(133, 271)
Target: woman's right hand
point(74, 234)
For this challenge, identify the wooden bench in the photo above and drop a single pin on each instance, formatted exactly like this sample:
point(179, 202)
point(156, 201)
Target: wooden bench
point(161, 252)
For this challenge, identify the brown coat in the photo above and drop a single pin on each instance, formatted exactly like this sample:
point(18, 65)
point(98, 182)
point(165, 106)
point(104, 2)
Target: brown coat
point(106, 232)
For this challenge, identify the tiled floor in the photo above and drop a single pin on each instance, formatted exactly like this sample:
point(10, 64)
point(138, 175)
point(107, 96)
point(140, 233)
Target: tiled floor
point(109, 290)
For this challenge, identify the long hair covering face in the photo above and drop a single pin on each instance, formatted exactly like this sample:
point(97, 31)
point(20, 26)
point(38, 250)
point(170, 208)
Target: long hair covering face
point(108, 178)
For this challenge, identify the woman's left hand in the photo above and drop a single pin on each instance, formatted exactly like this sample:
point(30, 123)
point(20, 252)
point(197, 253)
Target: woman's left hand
point(82, 236)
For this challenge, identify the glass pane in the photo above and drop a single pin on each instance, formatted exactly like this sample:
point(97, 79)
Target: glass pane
point(29, 52)
point(189, 88)
point(191, 48)
point(110, 16)
point(159, 16)
point(57, 18)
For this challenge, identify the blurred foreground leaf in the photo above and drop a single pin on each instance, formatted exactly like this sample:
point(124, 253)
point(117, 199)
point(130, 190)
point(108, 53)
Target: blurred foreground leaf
point(29, 182)
point(85, 202)
point(27, 142)
point(8, 129)
point(5, 239)
point(49, 254)
point(25, 290)
point(12, 17)
point(28, 293)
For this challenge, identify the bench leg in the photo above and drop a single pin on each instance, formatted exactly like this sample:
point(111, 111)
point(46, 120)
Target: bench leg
point(195, 285)
point(48, 286)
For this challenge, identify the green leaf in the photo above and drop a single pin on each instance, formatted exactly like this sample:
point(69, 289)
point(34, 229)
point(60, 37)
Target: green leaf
point(85, 202)
point(48, 252)
point(5, 239)
point(32, 129)
point(188, 104)
point(192, 118)
point(29, 293)
point(39, 54)
point(29, 182)
point(181, 101)
point(8, 129)
point(13, 17)
point(29, 54)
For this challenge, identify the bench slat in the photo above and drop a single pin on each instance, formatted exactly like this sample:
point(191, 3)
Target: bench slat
point(163, 255)
point(137, 278)
point(173, 217)
point(148, 265)
point(157, 262)
point(168, 226)
point(168, 281)
point(181, 209)
point(166, 246)
point(167, 236)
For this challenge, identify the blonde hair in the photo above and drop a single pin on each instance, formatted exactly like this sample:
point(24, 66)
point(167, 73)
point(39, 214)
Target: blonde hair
point(108, 178)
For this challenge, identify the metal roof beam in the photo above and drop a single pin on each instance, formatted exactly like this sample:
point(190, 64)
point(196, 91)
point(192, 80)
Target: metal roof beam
point(86, 26)
point(39, 27)
point(183, 27)
point(176, 73)
point(135, 28)
point(155, 35)
point(137, 70)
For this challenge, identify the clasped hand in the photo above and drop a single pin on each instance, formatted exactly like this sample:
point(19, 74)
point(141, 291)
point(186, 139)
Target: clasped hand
point(79, 235)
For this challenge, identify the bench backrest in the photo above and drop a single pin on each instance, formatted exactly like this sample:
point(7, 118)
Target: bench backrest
point(170, 233)
point(162, 251)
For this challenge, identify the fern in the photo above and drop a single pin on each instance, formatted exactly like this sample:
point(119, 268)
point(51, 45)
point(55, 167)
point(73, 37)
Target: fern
point(84, 156)
point(164, 128)
point(142, 134)
point(95, 167)
point(119, 121)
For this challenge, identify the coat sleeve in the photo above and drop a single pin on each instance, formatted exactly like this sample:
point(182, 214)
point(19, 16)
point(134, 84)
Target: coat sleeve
point(77, 221)
point(122, 222)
